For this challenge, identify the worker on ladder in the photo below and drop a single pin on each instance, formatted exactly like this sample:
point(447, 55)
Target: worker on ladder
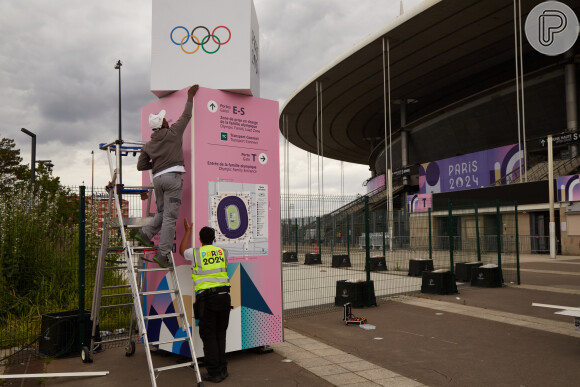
point(212, 299)
point(163, 154)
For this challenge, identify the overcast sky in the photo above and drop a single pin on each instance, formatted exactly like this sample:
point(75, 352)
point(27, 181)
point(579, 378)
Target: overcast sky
point(57, 76)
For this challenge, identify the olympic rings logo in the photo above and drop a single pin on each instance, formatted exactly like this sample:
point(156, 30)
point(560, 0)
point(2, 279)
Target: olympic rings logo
point(200, 43)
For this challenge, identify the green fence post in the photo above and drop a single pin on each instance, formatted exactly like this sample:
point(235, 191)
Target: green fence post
point(517, 243)
point(450, 228)
point(368, 251)
point(318, 231)
point(348, 231)
point(498, 221)
point(296, 235)
point(384, 232)
point(430, 236)
point(477, 233)
point(82, 220)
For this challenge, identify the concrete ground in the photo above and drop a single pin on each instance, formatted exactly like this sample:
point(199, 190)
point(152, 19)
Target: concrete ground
point(478, 337)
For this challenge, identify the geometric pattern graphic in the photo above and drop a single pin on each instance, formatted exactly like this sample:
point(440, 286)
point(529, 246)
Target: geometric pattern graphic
point(251, 297)
point(259, 328)
point(259, 325)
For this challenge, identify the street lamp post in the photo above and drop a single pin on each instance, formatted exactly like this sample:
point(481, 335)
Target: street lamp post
point(32, 156)
point(120, 140)
point(92, 175)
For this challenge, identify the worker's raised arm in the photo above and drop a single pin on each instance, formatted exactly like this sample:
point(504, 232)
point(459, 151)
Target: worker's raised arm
point(185, 240)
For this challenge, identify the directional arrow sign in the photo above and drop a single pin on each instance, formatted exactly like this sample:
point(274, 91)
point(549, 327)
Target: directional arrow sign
point(262, 158)
point(561, 139)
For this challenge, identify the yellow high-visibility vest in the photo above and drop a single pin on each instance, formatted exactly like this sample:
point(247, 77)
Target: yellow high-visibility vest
point(211, 267)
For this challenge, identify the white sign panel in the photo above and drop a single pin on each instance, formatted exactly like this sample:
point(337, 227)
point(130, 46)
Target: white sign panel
point(212, 43)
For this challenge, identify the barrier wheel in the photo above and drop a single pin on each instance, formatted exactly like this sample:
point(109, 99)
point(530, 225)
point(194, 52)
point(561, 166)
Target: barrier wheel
point(86, 355)
point(130, 348)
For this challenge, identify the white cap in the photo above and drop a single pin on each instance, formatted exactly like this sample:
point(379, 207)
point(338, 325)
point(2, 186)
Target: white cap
point(156, 120)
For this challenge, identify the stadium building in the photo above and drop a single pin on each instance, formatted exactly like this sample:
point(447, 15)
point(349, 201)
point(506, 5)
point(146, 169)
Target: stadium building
point(446, 84)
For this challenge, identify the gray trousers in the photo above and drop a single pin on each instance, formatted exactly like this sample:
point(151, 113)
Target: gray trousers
point(168, 189)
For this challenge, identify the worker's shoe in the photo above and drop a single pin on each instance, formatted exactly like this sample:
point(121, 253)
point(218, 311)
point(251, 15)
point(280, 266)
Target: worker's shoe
point(162, 260)
point(224, 374)
point(206, 377)
point(142, 238)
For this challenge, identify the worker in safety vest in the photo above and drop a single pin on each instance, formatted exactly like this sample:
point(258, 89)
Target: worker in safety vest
point(212, 303)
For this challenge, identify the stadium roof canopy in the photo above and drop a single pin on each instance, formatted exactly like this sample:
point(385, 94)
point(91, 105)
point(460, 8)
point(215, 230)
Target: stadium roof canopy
point(441, 53)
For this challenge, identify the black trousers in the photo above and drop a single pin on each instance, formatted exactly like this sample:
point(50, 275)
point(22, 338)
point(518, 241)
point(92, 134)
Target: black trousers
point(214, 316)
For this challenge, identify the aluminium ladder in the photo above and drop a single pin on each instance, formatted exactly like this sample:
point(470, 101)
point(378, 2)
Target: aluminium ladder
point(134, 271)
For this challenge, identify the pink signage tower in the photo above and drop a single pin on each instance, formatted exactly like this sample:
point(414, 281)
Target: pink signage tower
point(232, 181)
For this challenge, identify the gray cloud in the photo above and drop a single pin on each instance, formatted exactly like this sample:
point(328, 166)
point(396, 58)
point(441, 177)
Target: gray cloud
point(58, 79)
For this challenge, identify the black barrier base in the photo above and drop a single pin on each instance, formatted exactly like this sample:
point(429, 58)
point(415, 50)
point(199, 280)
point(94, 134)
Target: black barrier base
point(487, 277)
point(378, 264)
point(289, 256)
point(59, 336)
point(312, 259)
point(438, 282)
point(463, 270)
point(359, 294)
point(341, 261)
point(418, 266)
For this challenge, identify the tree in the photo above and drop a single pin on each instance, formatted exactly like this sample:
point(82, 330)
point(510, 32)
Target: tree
point(11, 171)
point(14, 174)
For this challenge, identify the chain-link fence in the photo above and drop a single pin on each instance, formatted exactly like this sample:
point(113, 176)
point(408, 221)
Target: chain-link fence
point(47, 272)
point(355, 242)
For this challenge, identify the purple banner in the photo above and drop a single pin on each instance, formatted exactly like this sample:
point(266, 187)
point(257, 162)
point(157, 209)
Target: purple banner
point(474, 170)
point(418, 202)
point(376, 183)
point(568, 188)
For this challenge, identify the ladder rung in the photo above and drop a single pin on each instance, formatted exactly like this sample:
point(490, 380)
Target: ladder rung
point(134, 222)
point(155, 292)
point(174, 366)
point(115, 306)
point(116, 287)
point(143, 248)
point(158, 316)
point(169, 341)
point(116, 295)
point(113, 261)
point(155, 269)
point(115, 267)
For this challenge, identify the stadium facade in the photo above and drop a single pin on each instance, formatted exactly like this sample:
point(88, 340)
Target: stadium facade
point(449, 79)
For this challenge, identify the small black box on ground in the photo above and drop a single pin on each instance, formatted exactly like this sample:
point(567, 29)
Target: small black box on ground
point(487, 277)
point(438, 282)
point(418, 266)
point(463, 270)
point(359, 294)
point(59, 335)
point(378, 264)
point(312, 259)
point(289, 256)
point(341, 261)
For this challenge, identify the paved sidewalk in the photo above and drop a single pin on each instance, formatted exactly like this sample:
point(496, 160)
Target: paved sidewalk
point(336, 366)
point(479, 337)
